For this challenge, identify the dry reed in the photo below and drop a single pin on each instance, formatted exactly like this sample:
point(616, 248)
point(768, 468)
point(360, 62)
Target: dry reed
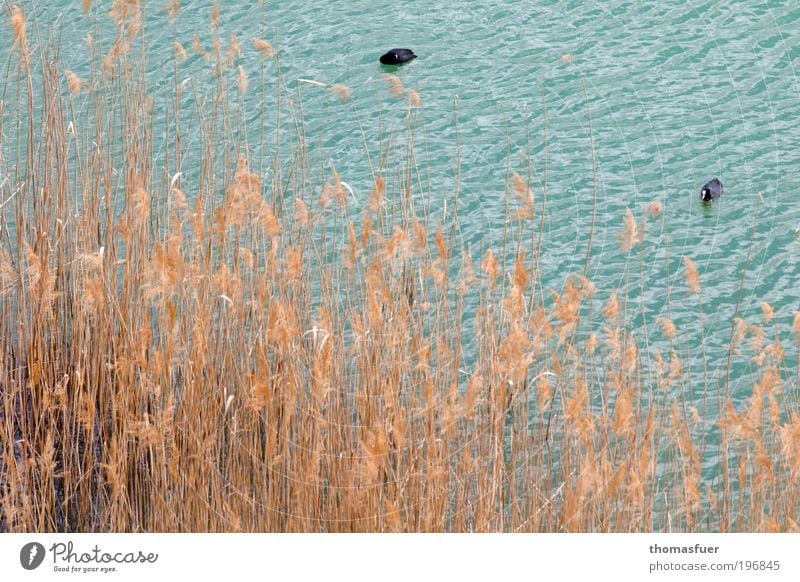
point(212, 350)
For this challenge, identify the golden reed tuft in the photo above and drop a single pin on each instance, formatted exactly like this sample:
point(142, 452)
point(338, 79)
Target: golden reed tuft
point(180, 52)
point(234, 50)
point(74, 82)
point(263, 47)
point(692, 276)
point(215, 16)
point(172, 8)
point(18, 26)
point(241, 80)
point(767, 313)
point(631, 234)
point(667, 327)
point(342, 91)
point(654, 208)
point(396, 87)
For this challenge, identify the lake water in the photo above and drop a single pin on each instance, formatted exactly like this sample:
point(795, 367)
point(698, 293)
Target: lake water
point(680, 92)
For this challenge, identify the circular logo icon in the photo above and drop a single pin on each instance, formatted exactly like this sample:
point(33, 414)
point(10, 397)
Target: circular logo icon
point(31, 555)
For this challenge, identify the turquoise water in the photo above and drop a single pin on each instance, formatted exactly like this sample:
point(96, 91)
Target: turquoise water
point(679, 92)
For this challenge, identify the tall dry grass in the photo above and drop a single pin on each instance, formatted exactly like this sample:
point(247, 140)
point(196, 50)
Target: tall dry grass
point(200, 349)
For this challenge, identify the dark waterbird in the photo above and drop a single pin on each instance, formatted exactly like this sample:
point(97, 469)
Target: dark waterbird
point(711, 191)
point(398, 56)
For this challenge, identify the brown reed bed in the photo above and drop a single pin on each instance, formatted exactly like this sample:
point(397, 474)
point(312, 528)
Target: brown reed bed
point(226, 353)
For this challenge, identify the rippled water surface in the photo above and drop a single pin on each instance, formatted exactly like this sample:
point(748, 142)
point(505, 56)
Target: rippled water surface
point(679, 92)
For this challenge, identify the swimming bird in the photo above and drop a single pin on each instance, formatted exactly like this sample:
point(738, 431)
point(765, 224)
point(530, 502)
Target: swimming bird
point(711, 191)
point(398, 56)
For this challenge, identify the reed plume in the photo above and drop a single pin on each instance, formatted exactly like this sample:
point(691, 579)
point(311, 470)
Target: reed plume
point(263, 47)
point(396, 87)
point(180, 52)
point(172, 9)
point(767, 313)
point(342, 91)
point(631, 234)
point(241, 79)
point(74, 82)
point(692, 276)
point(215, 16)
point(654, 208)
point(18, 27)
